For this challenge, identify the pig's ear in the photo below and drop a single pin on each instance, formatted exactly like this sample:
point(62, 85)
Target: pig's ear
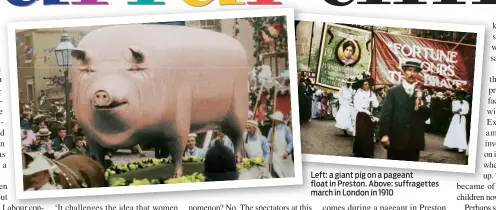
point(137, 56)
point(78, 54)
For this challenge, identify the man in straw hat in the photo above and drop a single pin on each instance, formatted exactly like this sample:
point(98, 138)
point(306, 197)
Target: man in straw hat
point(191, 149)
point(256, 145)
point(343, 116)
point(403, 117)
point(42, 141)
point(282, 146)
point(40, 172)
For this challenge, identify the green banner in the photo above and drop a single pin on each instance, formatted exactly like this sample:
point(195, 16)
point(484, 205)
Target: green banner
point(345, 52)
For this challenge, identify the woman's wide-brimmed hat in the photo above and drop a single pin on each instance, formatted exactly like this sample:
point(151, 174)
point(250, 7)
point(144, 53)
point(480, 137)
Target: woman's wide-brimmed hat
point(348, 80)
point(360, 78)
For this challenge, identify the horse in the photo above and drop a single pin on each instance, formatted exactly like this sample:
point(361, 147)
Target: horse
point(74, 171)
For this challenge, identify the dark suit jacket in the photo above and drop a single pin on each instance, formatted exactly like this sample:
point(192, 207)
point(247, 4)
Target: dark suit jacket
point(399, 121)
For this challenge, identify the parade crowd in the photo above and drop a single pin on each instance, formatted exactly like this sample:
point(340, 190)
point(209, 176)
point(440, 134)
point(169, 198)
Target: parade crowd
point(398, 117)
point(45, 134)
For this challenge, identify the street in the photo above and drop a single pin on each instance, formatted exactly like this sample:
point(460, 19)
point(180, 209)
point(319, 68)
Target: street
point(322, 138)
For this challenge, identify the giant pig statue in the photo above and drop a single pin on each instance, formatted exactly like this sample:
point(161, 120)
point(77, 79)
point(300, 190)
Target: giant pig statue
point(134, 82)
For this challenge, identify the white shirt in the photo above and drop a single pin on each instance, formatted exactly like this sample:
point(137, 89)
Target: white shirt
point(409, 88)
point(362, 100)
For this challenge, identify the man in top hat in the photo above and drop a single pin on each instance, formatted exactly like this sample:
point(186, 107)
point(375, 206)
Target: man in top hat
point(282, 145)
point(40, 172)
point(191, 149)
point(403, 117)
point(256, 145)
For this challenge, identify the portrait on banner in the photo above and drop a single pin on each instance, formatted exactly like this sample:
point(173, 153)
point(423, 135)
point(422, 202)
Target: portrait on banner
point(348, 52)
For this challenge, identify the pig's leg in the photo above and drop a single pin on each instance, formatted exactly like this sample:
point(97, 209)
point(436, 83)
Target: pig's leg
point(97, 152)
point(236, 120)
point(175, 150)
point(182, 123)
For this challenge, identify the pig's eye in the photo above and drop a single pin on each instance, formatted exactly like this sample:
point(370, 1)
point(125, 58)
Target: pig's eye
point(86, 69)
point(136, 69)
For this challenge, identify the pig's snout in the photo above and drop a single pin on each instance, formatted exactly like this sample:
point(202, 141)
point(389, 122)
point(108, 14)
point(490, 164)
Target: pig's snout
point(101, 99)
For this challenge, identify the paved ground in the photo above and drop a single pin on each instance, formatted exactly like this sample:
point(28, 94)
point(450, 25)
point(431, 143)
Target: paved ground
point(322, 138)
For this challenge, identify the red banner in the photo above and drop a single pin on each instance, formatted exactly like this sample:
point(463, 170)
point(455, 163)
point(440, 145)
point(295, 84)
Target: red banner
point(445, 65)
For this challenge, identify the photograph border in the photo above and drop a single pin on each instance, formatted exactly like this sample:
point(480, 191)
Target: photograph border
point(476, 94)
point(14, 96)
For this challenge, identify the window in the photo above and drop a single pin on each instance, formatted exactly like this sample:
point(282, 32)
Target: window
point(213, 25)
point(30, 95)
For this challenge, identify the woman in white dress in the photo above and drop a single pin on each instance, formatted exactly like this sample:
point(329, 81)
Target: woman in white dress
point(344, 118)
point(364, 100)
point(456, 138)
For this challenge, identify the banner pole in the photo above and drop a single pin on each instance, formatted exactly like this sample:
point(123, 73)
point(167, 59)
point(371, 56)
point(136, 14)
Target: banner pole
point(310, 50)
point(324, 26)
point(459, 41)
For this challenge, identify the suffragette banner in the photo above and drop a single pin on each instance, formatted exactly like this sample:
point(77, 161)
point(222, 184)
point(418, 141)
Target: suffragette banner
point(445, 65)
point(345, 52)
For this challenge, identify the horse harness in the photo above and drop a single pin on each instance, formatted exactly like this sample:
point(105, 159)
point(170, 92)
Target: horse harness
point(80, 181)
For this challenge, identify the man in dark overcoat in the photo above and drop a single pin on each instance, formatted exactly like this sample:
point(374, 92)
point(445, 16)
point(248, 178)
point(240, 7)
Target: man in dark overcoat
point(402, 120)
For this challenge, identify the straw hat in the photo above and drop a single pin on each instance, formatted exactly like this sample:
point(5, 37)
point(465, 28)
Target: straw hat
point(39, 164)
point(43, 132)
point(38, 116)
point(277, 116)
point(417, 64)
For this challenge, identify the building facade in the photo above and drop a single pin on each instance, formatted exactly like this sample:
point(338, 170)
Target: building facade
point(38, 71)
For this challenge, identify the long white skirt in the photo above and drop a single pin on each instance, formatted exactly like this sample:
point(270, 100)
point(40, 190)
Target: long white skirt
point(457, 135)
point(345, 117)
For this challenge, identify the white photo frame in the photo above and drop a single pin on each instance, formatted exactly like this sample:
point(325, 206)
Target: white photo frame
point(477, 87)
point(21, 194)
